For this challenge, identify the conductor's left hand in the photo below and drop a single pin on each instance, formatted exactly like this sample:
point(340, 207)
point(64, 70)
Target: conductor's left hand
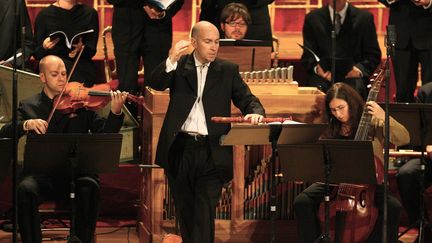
point(117, 101)
point(254, 118)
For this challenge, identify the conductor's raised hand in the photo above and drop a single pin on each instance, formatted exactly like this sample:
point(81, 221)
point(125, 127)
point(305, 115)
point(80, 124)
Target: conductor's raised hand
point(254, 118)
point(181, 48)
point(37, 125)
point(49, 44)
point(117, 101)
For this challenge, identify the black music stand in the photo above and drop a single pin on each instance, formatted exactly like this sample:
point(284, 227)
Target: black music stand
point(307, 162)
point(86, 154)
point(417, 119)
point(273, 134)
point(5, 157)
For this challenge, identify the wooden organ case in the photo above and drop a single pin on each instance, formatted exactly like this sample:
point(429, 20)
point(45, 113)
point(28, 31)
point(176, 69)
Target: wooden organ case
point(242, 210)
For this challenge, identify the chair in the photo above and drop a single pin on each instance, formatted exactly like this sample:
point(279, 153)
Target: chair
point(100, 6)
point(38, 3)
point(196, 9)
point(371, 4)
point(307, 5)
point(55, 218)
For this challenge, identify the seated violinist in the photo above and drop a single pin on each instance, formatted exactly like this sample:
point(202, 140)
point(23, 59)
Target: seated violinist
point(32, 118)
point(344, 108)
point(235, 19)
point(408, 178)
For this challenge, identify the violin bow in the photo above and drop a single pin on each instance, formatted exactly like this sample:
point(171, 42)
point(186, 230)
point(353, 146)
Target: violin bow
point(64, 88)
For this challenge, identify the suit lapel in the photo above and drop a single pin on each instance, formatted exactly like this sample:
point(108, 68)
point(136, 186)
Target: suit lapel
point(213, 76)
point(326, 18)
point(190, 73)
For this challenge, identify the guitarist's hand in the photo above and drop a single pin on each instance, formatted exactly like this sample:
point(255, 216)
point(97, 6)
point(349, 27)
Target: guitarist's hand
point(76, 48)
point(375, 110)
point(49, 44)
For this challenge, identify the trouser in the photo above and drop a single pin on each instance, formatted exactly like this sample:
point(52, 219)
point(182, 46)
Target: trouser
point(408, 180)
point(32, 190)
point(196, 187)
point(406, 63)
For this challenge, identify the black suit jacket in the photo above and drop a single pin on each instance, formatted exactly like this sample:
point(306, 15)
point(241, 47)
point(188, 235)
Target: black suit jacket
point(131, 26)
point(223, 85)
point(260, 29)
point(413, 23)
point(357, 39)
point(7, 15)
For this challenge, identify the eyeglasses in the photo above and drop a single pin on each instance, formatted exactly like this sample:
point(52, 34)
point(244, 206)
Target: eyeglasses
point(338, 108)
point(234, 24)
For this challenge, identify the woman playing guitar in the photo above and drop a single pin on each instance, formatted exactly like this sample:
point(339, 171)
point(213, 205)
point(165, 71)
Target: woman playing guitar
point(344, 108)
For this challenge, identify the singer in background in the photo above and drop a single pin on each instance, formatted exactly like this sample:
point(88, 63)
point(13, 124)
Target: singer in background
point(259, 29)
point(356, 43)
point(7, 31)
point(413, 21)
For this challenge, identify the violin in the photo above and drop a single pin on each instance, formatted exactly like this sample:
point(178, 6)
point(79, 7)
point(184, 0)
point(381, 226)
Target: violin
point(76, 96)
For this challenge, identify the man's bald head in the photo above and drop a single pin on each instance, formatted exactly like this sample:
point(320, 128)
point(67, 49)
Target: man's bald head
point(49, 60)
point(202, 26)
point(205, 40)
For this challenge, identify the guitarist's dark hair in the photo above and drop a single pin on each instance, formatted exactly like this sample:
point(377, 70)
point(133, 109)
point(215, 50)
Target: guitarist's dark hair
point(355, 106)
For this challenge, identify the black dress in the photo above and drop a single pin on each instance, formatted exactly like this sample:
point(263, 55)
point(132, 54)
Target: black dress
point(78, 19)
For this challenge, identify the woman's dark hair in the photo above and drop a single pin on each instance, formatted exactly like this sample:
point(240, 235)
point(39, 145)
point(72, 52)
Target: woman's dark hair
point(355, 105)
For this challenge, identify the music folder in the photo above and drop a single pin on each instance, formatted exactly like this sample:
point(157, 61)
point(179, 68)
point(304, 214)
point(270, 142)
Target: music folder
point(49, 154)
point(351, 161)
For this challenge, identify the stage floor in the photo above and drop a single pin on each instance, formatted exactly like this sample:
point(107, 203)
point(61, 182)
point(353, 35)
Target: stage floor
point(129, 235)
point(288, 44)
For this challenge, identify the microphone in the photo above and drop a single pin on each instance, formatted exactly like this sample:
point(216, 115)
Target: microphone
point(391, 38)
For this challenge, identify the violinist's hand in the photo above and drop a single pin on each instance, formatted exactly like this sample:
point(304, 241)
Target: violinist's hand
point(254, 118)
point(153, 13)
point(324, 74)
point(49, 44)
point(76, 48)
point(375, 110)
point(178, 50)
point(38, 125)
point(117, 101)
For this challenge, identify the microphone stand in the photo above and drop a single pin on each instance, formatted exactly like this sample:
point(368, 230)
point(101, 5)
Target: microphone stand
point(14, 122)
point(390, 43)
point(326, 238)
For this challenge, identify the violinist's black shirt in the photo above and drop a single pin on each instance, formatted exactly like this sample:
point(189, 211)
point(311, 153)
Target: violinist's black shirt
point(82, 121)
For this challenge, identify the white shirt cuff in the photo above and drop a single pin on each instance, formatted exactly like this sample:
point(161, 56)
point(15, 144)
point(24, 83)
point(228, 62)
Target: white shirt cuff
point(170, 66)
